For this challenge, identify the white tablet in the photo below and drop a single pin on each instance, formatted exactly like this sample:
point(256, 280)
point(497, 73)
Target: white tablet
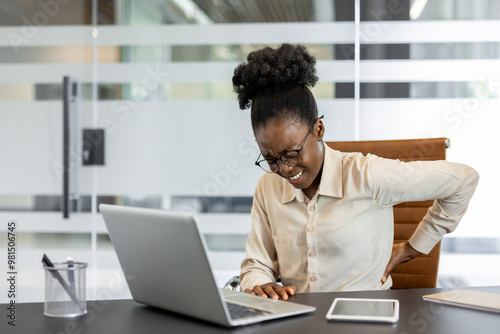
point(364, 309)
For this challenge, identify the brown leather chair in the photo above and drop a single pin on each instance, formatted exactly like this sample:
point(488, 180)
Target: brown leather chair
point(420, 272)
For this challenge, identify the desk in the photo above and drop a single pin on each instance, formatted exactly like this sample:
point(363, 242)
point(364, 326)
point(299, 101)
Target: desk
point(126, 316)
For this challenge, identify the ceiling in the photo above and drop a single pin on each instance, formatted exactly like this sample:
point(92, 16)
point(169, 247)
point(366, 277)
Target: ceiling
point(231, 11)
point(79, 12)
point(30, 12)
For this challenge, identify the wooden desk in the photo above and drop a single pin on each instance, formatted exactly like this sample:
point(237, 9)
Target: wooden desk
point(126, 316)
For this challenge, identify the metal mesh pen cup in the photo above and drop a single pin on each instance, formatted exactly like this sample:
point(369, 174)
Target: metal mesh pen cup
point(65, 287)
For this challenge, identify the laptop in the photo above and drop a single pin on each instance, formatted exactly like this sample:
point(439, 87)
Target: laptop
point(165, 261)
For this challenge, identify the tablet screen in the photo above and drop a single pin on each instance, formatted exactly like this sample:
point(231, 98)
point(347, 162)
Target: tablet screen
point(356, 309)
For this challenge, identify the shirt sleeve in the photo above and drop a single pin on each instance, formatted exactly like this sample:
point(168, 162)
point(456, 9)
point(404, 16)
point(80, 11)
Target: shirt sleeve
point(451, 185)
point(260, 265)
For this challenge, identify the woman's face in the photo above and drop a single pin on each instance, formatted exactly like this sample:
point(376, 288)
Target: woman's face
point(280, 136)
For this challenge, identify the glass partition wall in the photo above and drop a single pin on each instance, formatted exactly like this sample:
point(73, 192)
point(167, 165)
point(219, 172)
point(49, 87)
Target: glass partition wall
point(155, 77)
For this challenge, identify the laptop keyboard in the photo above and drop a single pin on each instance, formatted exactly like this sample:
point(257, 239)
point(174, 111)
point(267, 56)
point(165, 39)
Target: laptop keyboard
point(238, 311)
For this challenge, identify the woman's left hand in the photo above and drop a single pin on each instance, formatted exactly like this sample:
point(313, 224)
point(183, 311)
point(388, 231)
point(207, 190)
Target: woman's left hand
point(402, 252)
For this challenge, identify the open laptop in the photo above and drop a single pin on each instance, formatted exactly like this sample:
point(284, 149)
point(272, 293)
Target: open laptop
point(164, 258)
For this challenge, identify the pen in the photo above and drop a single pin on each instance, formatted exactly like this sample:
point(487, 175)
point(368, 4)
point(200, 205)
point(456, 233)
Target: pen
point(71, 274)
point(56, 275)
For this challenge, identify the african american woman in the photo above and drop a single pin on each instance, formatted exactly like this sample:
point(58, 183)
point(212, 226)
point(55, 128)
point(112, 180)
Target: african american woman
point(322, 220)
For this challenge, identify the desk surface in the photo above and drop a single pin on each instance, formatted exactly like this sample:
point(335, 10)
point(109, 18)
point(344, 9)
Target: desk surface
point(126, 316)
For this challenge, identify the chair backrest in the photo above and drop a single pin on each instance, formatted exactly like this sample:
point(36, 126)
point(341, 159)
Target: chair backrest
point(420, 272)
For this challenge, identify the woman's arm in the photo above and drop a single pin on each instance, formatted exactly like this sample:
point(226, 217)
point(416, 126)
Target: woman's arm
point(450, 184)
point(259, 269)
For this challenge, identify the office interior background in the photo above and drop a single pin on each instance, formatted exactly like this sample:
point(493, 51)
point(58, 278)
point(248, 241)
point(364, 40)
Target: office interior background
point(156, 75)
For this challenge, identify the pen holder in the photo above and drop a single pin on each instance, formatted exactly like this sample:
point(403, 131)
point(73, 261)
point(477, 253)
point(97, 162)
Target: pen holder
point(65, 287)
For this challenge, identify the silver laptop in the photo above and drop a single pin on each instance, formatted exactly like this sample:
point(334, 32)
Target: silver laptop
point(164, 258)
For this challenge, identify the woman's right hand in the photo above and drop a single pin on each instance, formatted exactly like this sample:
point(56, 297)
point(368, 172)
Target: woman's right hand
point(272, 290)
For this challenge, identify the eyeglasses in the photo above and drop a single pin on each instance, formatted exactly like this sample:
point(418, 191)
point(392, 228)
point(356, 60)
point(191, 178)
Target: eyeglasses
point(290, 158)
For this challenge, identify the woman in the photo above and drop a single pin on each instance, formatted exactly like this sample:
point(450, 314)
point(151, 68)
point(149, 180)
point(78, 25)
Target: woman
point(322, 220)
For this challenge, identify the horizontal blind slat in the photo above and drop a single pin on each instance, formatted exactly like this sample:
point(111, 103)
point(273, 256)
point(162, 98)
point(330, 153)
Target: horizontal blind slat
point(440, 70)
point(403, 32)
point(151, 73)
point(371, 32)
point(241, 33)
point(328, 70)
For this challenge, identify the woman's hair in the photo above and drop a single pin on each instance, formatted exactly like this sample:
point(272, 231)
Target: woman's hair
point(275, 83)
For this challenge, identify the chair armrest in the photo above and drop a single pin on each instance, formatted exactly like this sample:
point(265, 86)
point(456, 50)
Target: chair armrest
point(233, 283)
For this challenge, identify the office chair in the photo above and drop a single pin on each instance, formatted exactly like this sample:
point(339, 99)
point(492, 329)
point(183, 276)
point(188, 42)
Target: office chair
point(422, 271)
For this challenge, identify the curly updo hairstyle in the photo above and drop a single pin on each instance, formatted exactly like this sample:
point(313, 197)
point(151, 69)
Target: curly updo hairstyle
point(275, 83)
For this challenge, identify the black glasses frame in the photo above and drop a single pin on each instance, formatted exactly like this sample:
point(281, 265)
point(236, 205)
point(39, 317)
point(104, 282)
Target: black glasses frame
point(275, 161)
